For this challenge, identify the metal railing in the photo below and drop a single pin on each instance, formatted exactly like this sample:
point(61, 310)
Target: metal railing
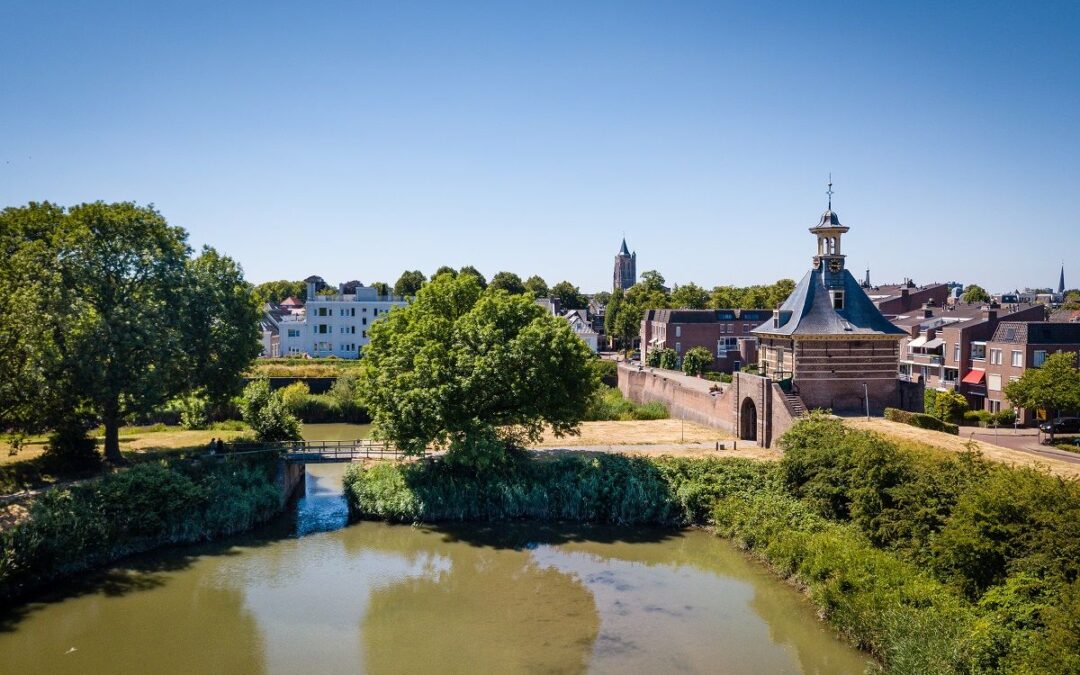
point(324, 451)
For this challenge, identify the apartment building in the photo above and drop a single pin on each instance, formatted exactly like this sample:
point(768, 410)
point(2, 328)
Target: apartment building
point(726, 333)
point(333, 324)
point(1016, 346)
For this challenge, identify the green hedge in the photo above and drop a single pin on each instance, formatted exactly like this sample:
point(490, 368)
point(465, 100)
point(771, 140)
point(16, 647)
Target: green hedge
point(921, 420)
point(73, 529)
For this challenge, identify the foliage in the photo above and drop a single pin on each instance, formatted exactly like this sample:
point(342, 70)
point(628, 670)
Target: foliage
point(651, 280)
point(1054, 386)
point(690, 296)
point(605, 370)
point(724, 378)
point(277, 291)
point(409, 283)
point(469, 269)
point(194, 412)
point(612, 489)
point(537, 286)
point(974, 293)
point(295, 396)
point(507, 281)
point(124, 319)
point(696, 360)
point(569, 296)
point(302, 367)
point(668, 359)
point(751, 297)
point(930, 401)
point(921, 420)
point(608, 403)
point(949, 406)
point(457, 362)
point(267, 413)
point(74, 528)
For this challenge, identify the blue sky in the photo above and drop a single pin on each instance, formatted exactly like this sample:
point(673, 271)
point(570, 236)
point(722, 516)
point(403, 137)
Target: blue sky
point(358, 139)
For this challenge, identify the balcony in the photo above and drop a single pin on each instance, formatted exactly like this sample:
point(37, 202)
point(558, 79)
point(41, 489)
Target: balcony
point(925, 359)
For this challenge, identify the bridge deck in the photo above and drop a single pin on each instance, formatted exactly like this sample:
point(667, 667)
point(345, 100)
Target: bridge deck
point(321, 452)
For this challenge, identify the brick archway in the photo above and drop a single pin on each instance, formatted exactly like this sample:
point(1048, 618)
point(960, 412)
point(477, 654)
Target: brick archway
point(748, 420)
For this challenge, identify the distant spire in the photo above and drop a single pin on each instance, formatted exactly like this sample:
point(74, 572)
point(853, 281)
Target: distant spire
point(830, 191)
point(1061, 280)
point(623, 250)
point(866, 283)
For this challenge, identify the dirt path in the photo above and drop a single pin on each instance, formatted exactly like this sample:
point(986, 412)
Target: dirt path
point(645, 432)
point(748, 451)
point(1064, 466)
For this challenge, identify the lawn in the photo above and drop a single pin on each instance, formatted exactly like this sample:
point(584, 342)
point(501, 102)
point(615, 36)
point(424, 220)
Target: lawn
point(302, 367)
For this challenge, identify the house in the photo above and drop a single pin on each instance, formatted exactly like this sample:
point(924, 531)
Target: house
point(828, 343)
point(898, 299)
point(1016, 346)
point(726, 333)
point(942, 344)
point(582, 327)
point(329, 324)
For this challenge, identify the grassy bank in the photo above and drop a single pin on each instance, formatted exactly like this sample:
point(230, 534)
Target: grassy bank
point(73, 529)
point(932, 561)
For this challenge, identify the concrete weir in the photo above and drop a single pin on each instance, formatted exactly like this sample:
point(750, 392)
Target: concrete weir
point(290, 479)
point(751, 407)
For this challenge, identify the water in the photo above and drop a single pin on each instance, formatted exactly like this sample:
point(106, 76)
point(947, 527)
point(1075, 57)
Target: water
point(378, 598)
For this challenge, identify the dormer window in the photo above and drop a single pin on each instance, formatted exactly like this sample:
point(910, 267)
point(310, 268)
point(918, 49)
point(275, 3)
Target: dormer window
point(837, 299)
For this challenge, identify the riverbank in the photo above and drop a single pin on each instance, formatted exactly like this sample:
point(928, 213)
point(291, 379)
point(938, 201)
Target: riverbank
point(932, 562)
point(74, 528)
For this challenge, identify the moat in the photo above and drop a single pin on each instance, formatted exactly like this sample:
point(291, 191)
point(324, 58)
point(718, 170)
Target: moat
point(312, 593)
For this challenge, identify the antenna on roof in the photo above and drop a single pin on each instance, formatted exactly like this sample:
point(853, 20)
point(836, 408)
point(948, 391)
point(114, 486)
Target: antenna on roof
point(830, 191)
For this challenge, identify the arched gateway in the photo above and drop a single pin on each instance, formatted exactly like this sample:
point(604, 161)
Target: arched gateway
point(748, 420)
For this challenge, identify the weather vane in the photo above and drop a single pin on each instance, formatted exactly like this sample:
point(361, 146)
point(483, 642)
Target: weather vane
point(830, 191)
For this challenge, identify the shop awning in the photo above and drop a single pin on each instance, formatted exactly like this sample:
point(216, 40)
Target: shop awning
point(933, 344)
point(974, 377)
point(917, 342)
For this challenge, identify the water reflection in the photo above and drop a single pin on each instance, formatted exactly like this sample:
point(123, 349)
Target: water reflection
point(379, 598)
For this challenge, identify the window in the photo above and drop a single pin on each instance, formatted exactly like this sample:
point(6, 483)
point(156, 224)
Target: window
point(678, 347)
point(956, 352)
point(731, 328)
point(837, 299)
point(1018, 358)
point(978, 351)
point(995, 357)
point(725, 345)
point(364, 334)
point(322, 311)
point(746, 328)
point(951, 374)
point(678, 331)
point(323, 328)
point(993, 382)
point(364, 320)
point(294, 332)
point(1040, 356)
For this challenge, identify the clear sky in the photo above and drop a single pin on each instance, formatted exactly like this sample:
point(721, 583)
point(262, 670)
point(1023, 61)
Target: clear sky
point(358, 139)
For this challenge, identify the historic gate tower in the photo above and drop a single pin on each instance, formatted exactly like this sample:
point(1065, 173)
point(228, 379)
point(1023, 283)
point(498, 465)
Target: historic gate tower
point(828, 343)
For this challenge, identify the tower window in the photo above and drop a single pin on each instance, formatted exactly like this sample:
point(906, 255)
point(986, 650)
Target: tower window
point(837, 299)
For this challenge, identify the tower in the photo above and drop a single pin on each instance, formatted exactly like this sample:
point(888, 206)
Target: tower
point(625, 268)
point(1061, 279)
point(828, 342)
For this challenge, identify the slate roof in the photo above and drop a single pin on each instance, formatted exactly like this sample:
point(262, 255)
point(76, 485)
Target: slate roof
point(624, 250)
point(808, 310)
point(707, 315)
point(1036, 332)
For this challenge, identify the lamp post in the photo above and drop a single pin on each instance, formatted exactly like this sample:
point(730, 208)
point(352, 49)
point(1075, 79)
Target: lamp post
point(866, 394)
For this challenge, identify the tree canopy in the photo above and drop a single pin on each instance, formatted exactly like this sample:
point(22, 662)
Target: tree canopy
point(690, 296)
point(537, 286)
point(125, 318)
point(469, 269)
point(1054, 386)
point(507, 281)
point(276, 291)
point(569, 295)
point(975, 293)
point(458, 364)
point(409, 283)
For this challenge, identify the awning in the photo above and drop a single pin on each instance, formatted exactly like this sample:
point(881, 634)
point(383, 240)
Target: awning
point(974, 377)
point(934, 344)
point(917, 342)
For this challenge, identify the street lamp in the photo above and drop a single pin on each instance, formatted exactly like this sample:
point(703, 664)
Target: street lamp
point(866, 394)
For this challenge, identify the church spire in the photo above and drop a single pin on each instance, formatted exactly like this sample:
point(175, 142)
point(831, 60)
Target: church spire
point(1061, 280)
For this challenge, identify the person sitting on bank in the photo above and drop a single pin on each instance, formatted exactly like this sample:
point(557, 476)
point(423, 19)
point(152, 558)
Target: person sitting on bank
point(213, 446)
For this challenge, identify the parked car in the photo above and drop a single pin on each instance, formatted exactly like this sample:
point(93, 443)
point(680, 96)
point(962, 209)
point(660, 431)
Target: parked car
point(1062, 425)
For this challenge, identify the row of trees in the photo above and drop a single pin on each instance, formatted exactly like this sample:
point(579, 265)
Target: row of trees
point(106, 312)
point(625, 310)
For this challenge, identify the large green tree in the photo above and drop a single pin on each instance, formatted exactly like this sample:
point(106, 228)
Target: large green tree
point(409, 283)
point(276, 291)
point(507, 281)
point(135, 322)
point(469, 269)
point(1054, 387)
point(690, 296)
point(458, 364)
point(537, 286)
point(975, 293)
point(569, 295)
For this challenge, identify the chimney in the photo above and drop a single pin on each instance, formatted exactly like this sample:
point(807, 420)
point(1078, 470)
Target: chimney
point(927, 310)
point(989, 313)
point(913, 331)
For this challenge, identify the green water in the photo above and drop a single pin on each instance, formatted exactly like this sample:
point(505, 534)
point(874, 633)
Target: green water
point(311, 595)
point(335, 432)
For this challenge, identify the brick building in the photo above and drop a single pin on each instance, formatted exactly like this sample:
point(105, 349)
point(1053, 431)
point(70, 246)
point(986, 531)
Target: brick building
point(625, 268)
point(900, 299)
point(828, 342)
point(1016, 346)
point(726, 333)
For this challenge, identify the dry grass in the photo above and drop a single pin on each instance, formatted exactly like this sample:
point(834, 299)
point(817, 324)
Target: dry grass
point(132, 442)
point(941, 441)
point(643, 432)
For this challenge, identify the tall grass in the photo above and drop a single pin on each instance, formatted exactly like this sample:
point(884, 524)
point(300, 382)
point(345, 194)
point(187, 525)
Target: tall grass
point(73, 529)
point(608, 403)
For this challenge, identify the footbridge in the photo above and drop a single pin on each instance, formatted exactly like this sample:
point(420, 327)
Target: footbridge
point(323, 452)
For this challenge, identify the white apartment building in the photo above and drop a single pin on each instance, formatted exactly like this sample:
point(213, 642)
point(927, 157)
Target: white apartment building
point(330, 325)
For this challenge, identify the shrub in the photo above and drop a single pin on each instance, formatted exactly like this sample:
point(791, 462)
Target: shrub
point(949, 406)
point(71, 529)
point(609, 404)
point(696, 360)
point(719, 377)
point(930, 401)
point(669, 359)
point(605, 370)
point(295, 396)
point(194, 412)
point(921, 420)
point(267, 414)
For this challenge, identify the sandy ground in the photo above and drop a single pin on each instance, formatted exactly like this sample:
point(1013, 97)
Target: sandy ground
point(650, 432)
point(942, 441)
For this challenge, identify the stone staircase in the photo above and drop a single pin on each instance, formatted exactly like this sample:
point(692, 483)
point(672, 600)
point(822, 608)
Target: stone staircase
point(794, 404)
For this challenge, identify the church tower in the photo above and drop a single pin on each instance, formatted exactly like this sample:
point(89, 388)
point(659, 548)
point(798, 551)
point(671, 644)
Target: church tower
point(625, 268)
point(828, 343)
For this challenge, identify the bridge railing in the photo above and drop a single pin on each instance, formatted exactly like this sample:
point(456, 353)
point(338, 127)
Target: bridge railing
point(324, 451)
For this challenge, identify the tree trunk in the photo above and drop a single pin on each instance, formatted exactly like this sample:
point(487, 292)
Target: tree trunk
point(1051, 419)
point(112, 433)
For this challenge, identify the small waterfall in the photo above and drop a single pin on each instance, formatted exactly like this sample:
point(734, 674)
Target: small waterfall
point(322, 508)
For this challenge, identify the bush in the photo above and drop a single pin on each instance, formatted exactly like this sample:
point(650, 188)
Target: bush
point(295, 396)
point(977, 417)
point(72, 529)
point(194, 412)
point(605, 370)
point(696, 361)
point(725, 378)
point(609, 404)
point(921, 420)
point(949, 406)
point(267, 414)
